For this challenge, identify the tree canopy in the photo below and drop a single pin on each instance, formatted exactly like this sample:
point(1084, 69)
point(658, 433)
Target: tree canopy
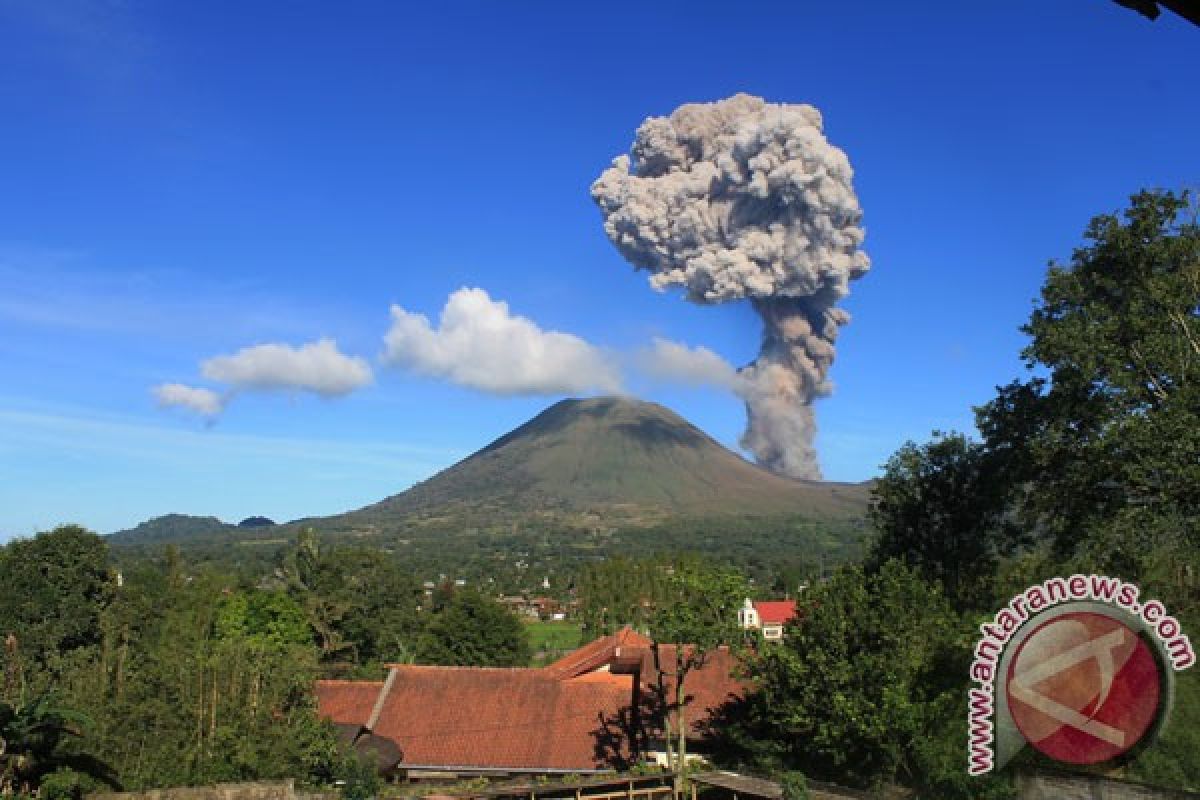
point(943, 508)
point(1103, 438)
point(53, 590)
point(1094, 454)
point(472, 630)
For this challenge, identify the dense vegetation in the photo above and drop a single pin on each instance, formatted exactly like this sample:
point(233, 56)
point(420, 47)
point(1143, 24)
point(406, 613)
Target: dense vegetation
point(778, 552)
point(163, 675)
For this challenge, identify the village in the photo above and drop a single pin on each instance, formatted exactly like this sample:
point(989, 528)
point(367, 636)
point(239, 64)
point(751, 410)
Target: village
point(597, 709)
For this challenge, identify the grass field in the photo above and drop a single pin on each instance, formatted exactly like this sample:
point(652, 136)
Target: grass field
point(549, 640)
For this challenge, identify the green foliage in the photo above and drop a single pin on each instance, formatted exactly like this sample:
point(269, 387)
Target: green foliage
point(360, 780)
point(1094, 456)
point(697, 603)
point(369, 602)
point(35, 736)
point(876, 668)
point(695, 609)
point(1107, 441)
point(217, 688)
point(795, 785)
point(619, 591)
point(943, 508)
point(53, 589)
point(65, 783)
point(171, 678)
point(268, 619)
point(472, 630)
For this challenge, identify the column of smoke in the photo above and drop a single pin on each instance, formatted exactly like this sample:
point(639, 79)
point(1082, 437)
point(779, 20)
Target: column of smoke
point(745, 200)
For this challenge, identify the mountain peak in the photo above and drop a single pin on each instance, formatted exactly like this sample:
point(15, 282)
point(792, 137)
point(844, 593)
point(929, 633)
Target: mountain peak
point(600, 453)
point(612, 414)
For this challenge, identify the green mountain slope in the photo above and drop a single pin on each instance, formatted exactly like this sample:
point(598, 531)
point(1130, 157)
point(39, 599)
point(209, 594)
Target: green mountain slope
point(583, 480)
point(609, 454)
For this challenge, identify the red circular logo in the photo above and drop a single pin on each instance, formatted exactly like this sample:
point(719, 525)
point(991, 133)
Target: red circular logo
point(1084, 688)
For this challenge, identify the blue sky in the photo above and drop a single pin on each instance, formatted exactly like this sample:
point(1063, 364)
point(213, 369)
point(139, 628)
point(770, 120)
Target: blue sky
point(182, 181)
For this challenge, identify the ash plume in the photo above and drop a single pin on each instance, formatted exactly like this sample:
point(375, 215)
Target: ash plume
point(746, 200)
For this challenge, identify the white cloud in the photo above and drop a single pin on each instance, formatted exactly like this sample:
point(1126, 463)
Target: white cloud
point(204, 402)
point(317, 367)
point(671, 361)
point(479, 343)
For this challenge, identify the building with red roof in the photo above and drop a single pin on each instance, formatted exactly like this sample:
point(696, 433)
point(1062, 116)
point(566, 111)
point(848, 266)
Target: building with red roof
point(768, 616)
point(598, 708)
point(471, 719)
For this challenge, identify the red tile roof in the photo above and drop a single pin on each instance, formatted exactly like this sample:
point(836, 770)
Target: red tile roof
point(706, 688)
point(504, 718)
point(575, 714)
point(597, 654)
point(775, 612)
point(347, 702)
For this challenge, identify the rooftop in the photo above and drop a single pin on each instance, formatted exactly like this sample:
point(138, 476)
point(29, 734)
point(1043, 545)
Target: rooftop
point(775, 612)
point(576, 714)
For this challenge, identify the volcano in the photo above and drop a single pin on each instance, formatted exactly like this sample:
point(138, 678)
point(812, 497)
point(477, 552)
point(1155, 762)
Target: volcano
point(617, 452)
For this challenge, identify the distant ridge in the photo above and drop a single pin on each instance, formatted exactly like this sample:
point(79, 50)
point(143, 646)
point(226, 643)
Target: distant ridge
point(170, 528)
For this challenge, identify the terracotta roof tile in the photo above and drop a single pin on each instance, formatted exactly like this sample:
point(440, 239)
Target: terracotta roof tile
point(347, 702)
point(597, 654)
point(706, 688)
point(604, 676)
point(504, 718)
point(775, 612)
point(572, 715)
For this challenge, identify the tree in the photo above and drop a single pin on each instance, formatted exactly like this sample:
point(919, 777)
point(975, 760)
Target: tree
point(695, 612)
point(376, 601)
point(268, 619)
point(1111, 426)
point(619, 591)
point(33, 744)
point(358, 601)
point(196, 683)
point(875, 667)
point(473, 630)
point(944, 509)
point(53, 589)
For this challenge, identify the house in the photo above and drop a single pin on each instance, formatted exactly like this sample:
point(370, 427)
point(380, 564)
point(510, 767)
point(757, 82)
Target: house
point(544, 608)
point(519, 606)
point(598, 708)
point(769, 616)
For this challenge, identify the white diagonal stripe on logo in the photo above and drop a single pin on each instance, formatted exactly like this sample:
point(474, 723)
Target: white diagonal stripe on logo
point(1099, 649)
